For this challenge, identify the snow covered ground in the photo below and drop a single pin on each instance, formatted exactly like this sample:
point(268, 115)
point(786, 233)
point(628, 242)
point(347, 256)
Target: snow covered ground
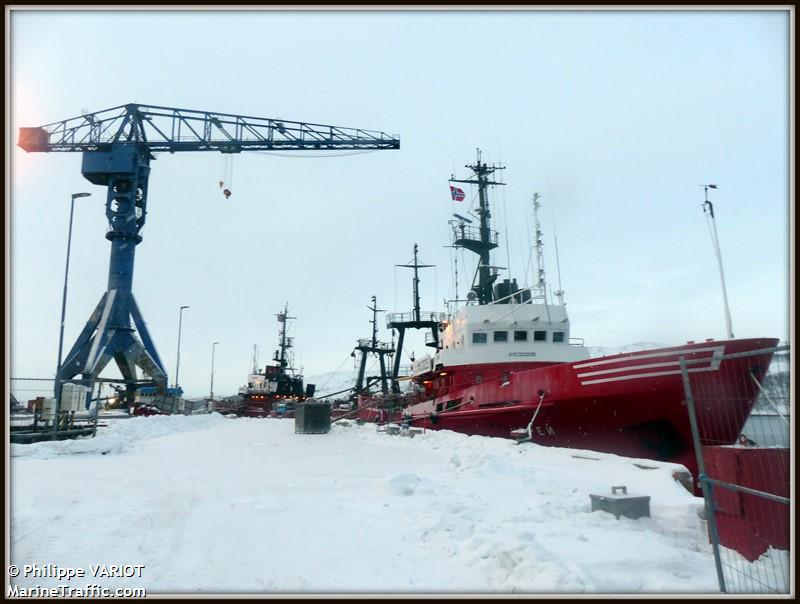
point(218, 505)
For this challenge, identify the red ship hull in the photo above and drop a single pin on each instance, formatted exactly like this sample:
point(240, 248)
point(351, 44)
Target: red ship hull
point(630, 404)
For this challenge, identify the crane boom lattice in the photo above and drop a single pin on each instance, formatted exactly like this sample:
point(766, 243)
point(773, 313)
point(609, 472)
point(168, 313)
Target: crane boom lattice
point(162, 129)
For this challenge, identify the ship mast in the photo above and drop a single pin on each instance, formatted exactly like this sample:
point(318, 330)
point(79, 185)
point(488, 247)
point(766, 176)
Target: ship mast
point(416, 266)
point(373, 346)
point(412, 320)
point(284, 343)
point(374, 320)
point(255, 358)
point(539, 290)
point(485, 239)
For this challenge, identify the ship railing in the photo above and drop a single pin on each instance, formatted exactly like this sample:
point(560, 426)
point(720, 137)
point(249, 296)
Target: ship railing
point(404, 370)
point(463, 232)
point(367, 343)
point(255, 390)
point(408, 317)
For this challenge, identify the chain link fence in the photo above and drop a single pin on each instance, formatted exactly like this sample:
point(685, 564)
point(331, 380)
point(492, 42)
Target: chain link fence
point(746, 484)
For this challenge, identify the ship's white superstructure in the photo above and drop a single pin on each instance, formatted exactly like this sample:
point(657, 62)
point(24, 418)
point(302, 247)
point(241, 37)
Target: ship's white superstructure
point(505, 333)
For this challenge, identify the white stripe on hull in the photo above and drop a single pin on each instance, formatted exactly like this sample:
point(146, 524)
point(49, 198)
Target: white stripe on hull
point(633, 376)
point(713, 365)
point(649, 355)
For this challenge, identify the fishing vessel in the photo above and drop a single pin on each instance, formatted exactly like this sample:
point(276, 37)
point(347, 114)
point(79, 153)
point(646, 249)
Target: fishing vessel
point(506, 364)
point(274, 391)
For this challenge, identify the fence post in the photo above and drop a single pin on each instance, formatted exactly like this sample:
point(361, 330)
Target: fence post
point(57, 411)
point(96, 412)
point(701, 470)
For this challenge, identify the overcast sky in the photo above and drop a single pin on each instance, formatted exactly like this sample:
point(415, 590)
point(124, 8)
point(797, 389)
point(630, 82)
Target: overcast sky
point(613, 117)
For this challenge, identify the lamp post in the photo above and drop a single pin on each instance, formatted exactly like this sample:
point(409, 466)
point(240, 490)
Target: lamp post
point(64, 302)
point(178, 360)
point(708, 210)
point(213, 347)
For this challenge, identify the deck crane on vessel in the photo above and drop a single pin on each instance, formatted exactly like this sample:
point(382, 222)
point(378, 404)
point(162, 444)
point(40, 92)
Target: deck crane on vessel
point(382, 350)
point(118, 145)
point(416, 319)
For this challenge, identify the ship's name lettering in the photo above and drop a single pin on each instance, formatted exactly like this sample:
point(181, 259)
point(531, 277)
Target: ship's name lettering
point(546, 430)
point(522, 354)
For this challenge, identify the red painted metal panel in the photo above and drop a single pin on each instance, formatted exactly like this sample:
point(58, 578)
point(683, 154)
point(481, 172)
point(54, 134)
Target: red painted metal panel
point(748, 523)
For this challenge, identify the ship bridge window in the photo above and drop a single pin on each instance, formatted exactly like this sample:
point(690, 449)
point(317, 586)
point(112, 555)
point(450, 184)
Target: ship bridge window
point(520, 336)
point(479, 338)
point(558, 336)
point(501, 336)
point(453, 404)
point(540, 336)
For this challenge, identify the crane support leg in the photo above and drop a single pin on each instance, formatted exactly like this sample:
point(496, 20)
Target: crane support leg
point(111, 332)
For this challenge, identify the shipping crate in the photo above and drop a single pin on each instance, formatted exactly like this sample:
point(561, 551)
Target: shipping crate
point(620, 503)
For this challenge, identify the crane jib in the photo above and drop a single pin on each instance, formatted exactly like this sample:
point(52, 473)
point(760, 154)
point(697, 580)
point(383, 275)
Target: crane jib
point(159, 129)
point(38, 140)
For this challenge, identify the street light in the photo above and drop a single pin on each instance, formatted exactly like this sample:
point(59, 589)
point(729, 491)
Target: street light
point(64, 301)
point(178, 360)
point(213, 347)
point(708, 210)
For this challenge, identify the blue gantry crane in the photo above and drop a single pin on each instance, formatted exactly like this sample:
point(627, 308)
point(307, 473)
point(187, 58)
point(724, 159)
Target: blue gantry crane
point(118, 145)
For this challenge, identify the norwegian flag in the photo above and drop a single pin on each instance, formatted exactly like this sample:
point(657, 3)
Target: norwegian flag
point(456, 193)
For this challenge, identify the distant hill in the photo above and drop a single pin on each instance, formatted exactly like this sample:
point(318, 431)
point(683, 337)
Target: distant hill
point(604, 351)
point(333, 381)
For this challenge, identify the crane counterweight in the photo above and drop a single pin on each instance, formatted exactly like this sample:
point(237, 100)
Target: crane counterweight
point(33, 139)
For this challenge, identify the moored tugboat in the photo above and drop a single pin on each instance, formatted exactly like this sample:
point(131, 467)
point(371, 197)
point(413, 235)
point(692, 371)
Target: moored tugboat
point(275, 391)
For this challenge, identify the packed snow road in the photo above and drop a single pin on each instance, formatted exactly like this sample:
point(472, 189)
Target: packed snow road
point(209, 504)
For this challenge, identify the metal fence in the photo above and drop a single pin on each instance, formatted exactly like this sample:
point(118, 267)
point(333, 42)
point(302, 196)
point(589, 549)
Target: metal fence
point(745, 481)
point(27, 389)
point(23, 390)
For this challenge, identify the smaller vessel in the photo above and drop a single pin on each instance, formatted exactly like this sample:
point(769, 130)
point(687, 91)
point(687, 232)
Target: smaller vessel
point(275, 391)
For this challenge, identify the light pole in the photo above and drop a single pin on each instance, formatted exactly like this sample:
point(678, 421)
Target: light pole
point(708, 210)
point(64, 302)
point(213, 347)
point(178, 360)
